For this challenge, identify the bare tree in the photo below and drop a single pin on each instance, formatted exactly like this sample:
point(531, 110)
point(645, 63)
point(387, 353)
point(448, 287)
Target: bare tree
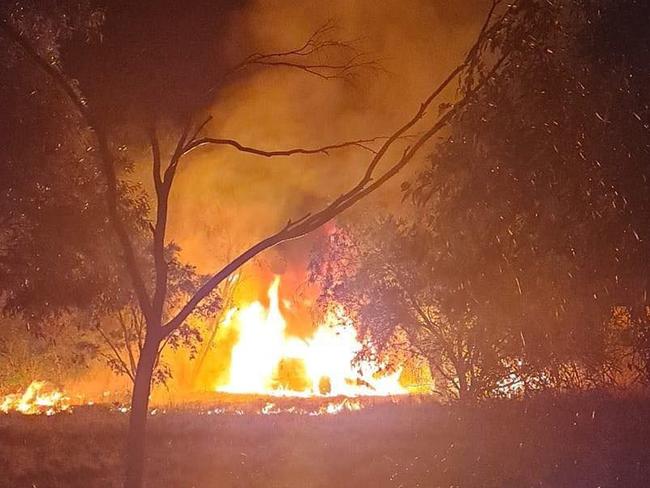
point(380, 168)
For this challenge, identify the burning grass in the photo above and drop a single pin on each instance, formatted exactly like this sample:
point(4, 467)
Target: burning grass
point(583, 441)
point(38, 398)
point(266, 359)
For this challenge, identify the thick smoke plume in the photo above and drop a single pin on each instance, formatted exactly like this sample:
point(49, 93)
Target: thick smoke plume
point(225, 200)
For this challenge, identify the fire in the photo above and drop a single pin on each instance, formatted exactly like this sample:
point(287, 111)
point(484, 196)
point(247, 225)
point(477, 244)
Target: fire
point(38, 398)
point(266, 360)
point(331, 408)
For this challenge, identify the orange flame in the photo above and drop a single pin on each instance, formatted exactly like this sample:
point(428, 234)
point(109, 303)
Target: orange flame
point(38, 398)
point(266, 360)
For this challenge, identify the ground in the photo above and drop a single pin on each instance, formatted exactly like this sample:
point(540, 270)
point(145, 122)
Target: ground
point(570, 441)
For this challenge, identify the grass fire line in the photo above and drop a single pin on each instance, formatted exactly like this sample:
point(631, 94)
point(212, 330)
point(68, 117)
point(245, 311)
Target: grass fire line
point(267, 364)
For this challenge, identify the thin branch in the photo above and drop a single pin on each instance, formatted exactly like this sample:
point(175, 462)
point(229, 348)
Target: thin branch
point(138, 326)
point(117, 355)
point(317, 46)
point(120, 365)
point(178, 153)
point(163, 189)
point(347, 59)
point(156, 159)
point(200, 127)
point(486, 26)
point(127, 341)
point(48, 68)
point(324, 71)
point(163, 344)
point(308, 47)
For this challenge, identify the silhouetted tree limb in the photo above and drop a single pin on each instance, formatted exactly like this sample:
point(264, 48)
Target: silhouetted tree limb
point(116, 359)
point(346, 58)
point(205, 141)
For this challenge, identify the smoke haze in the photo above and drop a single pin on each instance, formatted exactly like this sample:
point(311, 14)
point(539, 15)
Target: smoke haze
point(224, 200)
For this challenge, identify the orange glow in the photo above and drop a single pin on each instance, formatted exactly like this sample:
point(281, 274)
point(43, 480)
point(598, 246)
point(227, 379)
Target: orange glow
point(38, 398)
point(265, 359)
point(331, 408)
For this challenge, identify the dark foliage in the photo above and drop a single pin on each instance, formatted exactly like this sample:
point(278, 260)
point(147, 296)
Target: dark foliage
point(538, 201)
point(55, 241)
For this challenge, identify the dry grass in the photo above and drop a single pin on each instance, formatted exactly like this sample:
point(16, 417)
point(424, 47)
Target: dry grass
point(585, 441)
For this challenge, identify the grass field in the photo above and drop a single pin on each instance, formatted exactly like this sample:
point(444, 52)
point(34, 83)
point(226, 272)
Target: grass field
point(586, 441)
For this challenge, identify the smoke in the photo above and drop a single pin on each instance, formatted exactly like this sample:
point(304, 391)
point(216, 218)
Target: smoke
point(224, 200)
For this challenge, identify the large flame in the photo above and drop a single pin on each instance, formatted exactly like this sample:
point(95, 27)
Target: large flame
point(267, 360)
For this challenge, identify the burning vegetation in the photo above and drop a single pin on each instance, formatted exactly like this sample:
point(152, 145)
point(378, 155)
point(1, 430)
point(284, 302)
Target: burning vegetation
point(266, 360)
point(476, 226)
point(38, 398)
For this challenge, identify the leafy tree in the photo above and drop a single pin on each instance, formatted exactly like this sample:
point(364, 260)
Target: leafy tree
point(539, 196)
point(527, 245)
point(55, 238)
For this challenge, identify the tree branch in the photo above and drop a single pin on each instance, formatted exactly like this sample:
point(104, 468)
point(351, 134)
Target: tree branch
point(319, 45)
point(138, 326)
point(204, 141)
point(117, 356)
point(127, 342)
point(156, 159)
point(163, 189)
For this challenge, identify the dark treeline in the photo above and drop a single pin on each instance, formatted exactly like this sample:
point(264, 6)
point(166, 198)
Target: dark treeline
point(523, 265)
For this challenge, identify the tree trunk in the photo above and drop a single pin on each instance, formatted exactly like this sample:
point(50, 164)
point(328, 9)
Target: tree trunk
point(135, 446)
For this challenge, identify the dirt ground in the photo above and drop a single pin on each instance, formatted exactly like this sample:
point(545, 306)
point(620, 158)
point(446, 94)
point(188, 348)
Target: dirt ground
point(573, 441)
